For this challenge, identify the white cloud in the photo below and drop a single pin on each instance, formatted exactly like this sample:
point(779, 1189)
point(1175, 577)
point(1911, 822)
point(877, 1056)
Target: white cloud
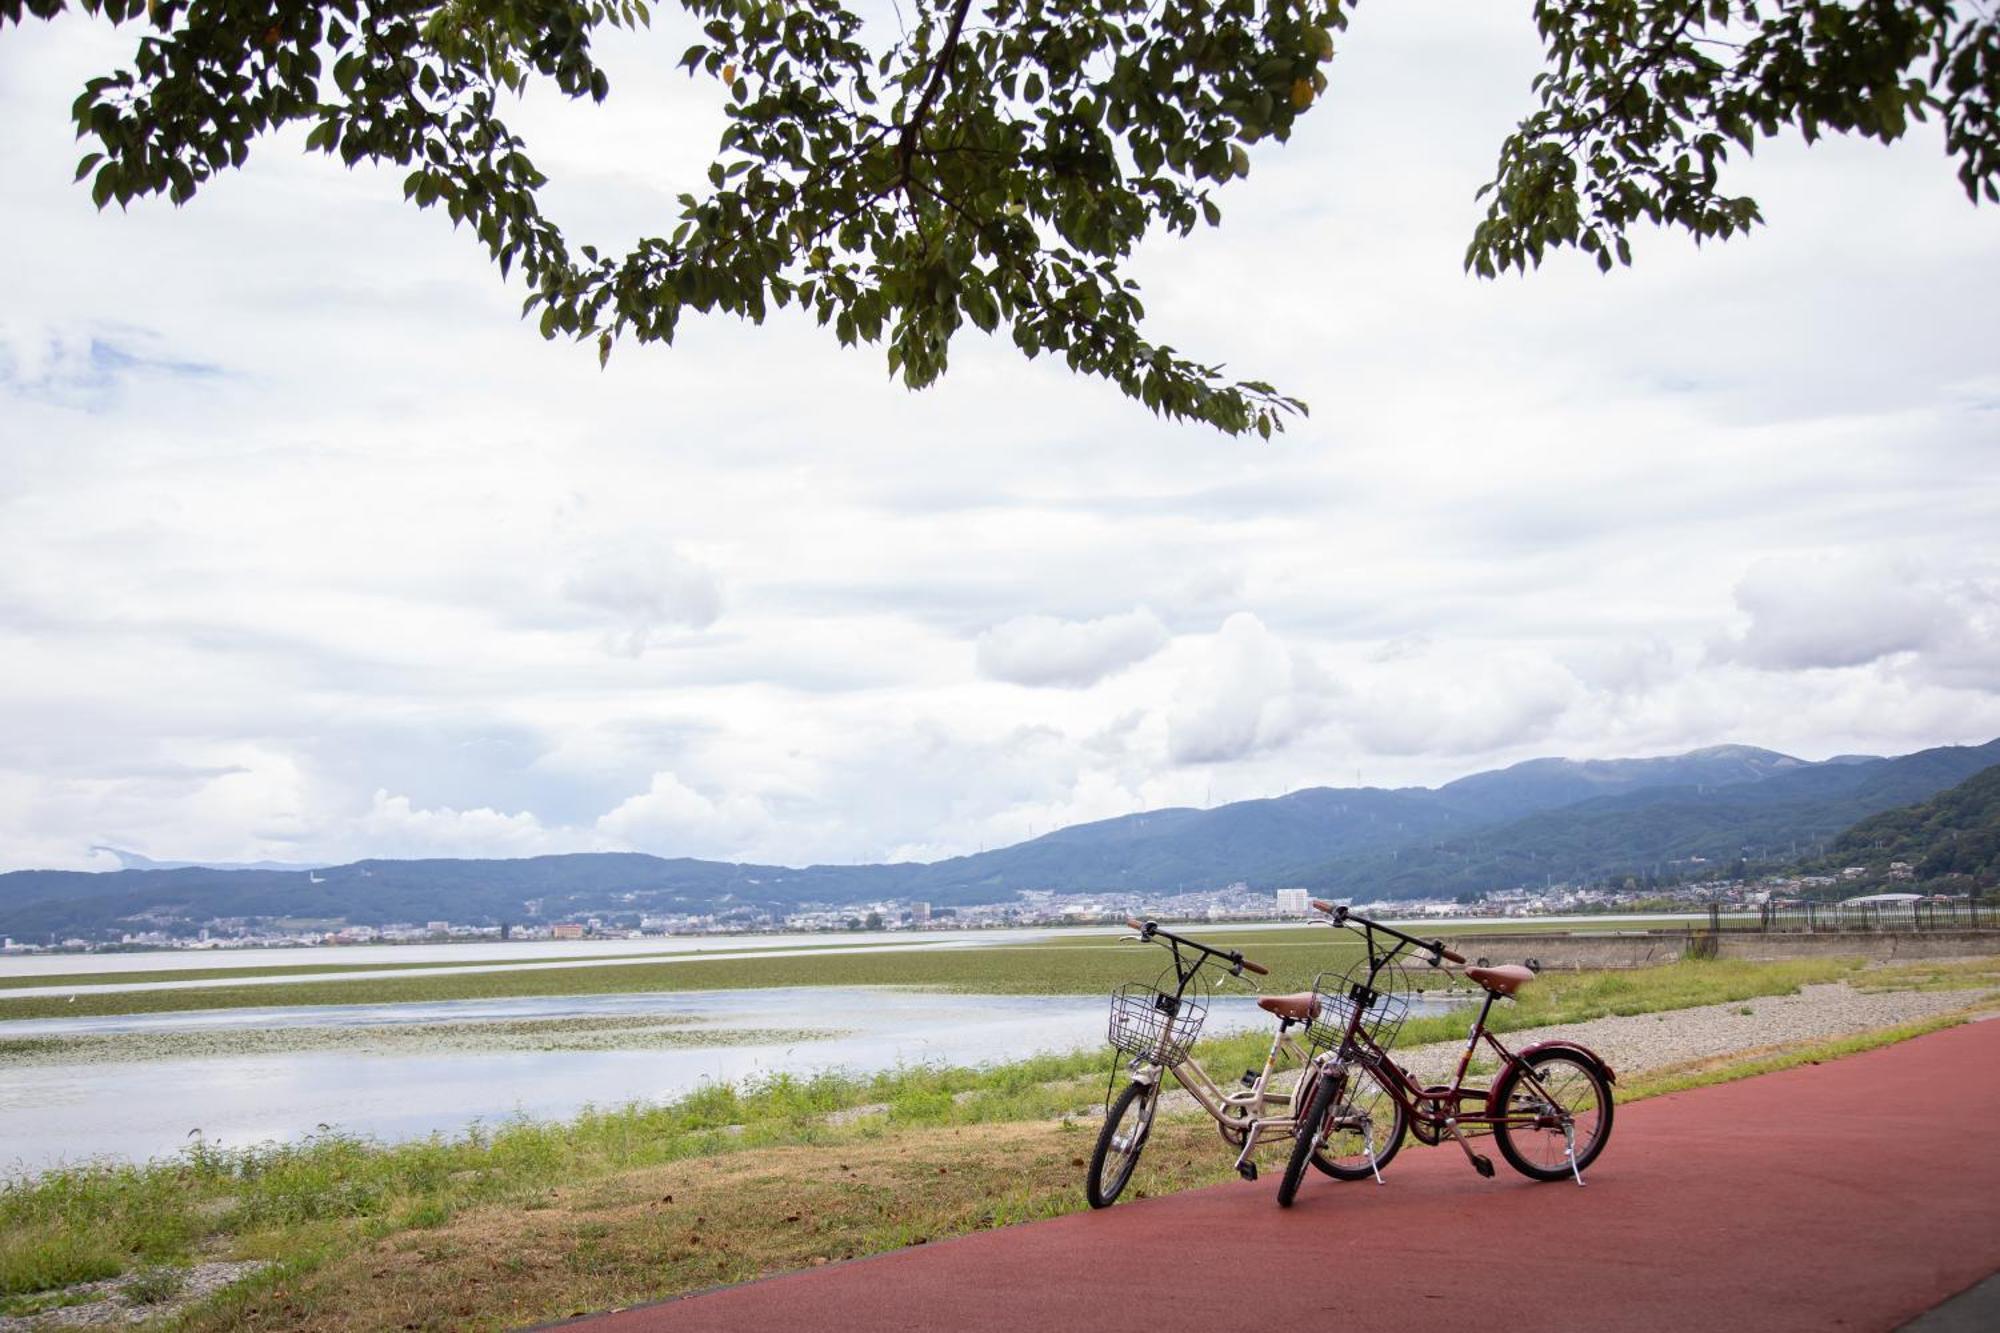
point(1454, 699)
point(1835, 611)
point(399, 829)
point(1250, 693)
point(639, 593)
point(671, 818)
point(1043, 650)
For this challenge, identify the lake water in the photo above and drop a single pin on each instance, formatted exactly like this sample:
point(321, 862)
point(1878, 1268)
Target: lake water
point(134, 1110)
point(52, 1114)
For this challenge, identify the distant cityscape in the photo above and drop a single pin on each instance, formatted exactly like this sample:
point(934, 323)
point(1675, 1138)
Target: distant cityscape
point(1236, 902)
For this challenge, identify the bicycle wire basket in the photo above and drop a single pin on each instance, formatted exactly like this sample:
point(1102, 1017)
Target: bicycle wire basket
point(1383, 1006)
point(1156, 1024)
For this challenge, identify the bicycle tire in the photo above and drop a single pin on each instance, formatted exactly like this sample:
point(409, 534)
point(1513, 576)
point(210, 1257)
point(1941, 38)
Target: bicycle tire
point(1305, 1134)
point(1583, 1079)
point(1356, 1166)
point(1101, 1192)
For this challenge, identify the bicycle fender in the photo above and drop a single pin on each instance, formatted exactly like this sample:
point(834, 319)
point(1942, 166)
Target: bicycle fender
point(1576, 1048)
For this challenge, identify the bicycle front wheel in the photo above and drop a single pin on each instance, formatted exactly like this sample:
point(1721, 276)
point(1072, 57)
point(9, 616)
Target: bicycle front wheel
point(1326, 1091)
point(1569, 1101)
point(1366, 1119)
point(1120, 1142)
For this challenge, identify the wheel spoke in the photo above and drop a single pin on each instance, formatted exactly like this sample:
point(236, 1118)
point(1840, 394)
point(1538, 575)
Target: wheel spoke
point(1360, 1126)
point(1557, 1112)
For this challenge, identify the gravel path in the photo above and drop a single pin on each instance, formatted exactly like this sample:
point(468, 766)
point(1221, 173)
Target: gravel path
point(1646, 1042)
point(112, 1303)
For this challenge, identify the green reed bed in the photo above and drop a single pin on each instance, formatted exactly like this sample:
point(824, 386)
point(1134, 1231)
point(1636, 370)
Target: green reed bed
point(1023, 969)
point(1071, 965)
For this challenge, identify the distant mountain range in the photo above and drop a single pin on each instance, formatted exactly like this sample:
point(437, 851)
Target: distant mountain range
point(1544, 819)
point(1793, 810)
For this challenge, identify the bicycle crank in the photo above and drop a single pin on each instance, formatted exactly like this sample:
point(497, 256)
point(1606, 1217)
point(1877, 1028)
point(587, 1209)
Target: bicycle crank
point(1244, 1166)
point(1480, 1161)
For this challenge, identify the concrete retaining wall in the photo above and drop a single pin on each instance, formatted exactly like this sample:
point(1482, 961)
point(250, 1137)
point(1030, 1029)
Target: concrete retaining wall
point(1881, 945)
point(1574, 951)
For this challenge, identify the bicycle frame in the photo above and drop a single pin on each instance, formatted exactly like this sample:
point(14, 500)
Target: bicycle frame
point(1442, 1108)
point(1241, 1109)
point(1434, 1110)
point(1233, 1110)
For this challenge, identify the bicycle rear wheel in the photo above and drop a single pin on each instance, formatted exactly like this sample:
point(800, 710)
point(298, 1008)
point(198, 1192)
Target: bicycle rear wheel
point(1366, 1115)
point(1119, 1143)
point(1573, 1096)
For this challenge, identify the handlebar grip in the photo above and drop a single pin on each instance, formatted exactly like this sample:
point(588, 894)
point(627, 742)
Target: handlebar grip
point(1449, 956)
point(1143, 927)
point(1249, 966)
point(1322, 905)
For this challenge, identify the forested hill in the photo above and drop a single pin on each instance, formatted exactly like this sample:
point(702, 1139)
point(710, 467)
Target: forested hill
point(1547, 817)
point(1776, 820)
point(1951, 841)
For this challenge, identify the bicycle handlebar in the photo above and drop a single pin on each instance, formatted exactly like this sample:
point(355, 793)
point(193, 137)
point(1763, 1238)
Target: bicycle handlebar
point(1341, 916)
point(1150, 929)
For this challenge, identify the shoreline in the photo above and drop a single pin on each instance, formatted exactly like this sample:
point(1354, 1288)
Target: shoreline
point(675, 1196)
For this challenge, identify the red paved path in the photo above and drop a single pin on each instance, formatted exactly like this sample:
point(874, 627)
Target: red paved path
point(1848, 1195)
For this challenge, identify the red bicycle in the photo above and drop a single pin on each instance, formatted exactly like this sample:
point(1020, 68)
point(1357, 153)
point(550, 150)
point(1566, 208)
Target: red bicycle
point(1549, 1107)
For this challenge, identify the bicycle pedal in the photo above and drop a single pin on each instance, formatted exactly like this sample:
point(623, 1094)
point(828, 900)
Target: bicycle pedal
point(1249, 1078)
point(1483, 1165)
point(1247, 1170)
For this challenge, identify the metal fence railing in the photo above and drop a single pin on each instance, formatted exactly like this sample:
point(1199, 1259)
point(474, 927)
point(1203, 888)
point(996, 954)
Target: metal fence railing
point(1949, 914)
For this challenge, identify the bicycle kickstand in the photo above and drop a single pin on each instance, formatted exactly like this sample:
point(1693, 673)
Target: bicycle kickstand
point(1569, 1153)
point(1372, 1166)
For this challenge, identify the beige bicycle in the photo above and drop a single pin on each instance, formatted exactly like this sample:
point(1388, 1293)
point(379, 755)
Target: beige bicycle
point(1157, 1026)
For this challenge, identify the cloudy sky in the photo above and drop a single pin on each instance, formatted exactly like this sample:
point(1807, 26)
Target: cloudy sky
point(310, 549)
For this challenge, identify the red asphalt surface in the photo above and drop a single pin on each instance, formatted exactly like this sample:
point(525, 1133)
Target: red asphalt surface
point(1853, 1195)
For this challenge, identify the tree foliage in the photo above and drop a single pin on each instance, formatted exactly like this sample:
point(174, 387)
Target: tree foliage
point(1643, 100)
point(1953, 838)
point(995, 164)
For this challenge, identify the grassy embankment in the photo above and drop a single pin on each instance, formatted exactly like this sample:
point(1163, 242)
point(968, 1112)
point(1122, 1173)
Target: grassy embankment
point(526, 1221)
point(1074, 965)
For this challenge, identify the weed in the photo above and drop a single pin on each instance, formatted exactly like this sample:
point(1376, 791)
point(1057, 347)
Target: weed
point(154, 1286)
point(48, 1256)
